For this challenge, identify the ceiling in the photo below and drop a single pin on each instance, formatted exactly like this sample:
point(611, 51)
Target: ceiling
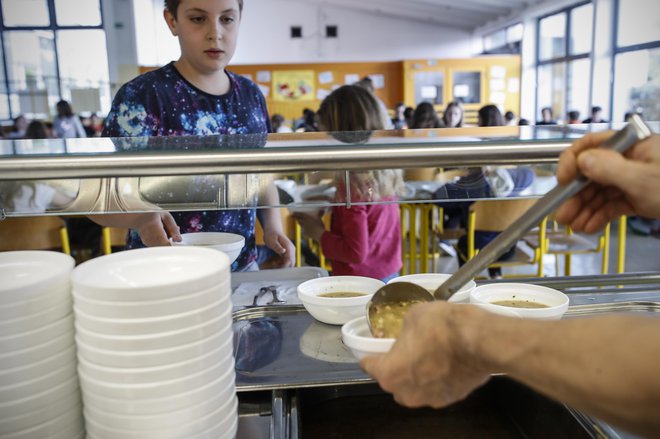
point(461, 14)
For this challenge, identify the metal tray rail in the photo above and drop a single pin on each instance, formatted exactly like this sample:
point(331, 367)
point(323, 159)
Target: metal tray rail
point(283, 347)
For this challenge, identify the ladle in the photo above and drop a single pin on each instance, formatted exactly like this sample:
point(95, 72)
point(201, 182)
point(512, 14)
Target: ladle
point(398, 292)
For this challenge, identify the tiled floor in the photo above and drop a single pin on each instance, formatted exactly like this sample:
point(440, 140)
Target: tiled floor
point(642, 254)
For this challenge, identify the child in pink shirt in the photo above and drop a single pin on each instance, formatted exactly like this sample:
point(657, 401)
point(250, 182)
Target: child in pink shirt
point(365, 239)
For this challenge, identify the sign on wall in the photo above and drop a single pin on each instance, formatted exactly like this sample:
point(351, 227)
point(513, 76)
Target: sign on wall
point(293, 85)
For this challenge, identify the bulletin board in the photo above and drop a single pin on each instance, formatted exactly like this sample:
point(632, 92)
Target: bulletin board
point(386, 76)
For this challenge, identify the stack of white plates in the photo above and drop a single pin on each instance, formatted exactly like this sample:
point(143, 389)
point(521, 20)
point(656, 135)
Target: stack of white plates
point(153, 329)
point(39, 393)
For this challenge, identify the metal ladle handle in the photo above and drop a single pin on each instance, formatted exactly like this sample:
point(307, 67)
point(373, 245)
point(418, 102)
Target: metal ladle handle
point(632, 133)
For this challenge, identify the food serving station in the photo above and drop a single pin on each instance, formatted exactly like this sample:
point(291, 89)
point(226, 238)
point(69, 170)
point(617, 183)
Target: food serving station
point(294, 376)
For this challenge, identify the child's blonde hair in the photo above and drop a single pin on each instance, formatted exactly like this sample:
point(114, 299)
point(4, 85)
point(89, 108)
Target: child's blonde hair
point(346, 110)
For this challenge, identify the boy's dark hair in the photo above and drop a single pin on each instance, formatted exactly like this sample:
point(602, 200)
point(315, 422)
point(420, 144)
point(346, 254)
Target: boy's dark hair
point(596, 109)
point(173, 5)
point(574, 115)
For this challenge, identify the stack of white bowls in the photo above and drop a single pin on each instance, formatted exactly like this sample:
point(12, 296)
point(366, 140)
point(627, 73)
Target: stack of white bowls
point(39, 393)
point(153, 329)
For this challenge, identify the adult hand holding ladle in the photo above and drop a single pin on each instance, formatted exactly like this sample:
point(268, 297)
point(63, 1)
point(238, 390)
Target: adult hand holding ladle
point(387, 306)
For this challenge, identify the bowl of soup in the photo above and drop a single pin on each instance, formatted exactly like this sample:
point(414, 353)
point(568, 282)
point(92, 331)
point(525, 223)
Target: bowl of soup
point(525, 300)
point(431, 281)
point(337, 299)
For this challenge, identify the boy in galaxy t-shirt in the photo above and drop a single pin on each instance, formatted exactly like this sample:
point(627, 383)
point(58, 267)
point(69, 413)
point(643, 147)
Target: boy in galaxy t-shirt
point(195, 95)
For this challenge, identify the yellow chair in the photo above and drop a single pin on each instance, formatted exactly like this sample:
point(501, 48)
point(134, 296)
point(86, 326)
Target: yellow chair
point(34, 233)
point(419, 223)
point(562, 241)
point(112, 237)
point(496, 216)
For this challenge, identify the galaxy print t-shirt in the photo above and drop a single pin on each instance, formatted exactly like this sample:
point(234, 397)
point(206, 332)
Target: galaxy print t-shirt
point(163, 103)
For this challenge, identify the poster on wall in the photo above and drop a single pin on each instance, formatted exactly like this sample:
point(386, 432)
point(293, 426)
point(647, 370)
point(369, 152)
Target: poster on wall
point(293, 85)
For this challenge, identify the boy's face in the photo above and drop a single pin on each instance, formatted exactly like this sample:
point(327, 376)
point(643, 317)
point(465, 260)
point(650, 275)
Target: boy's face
point(207, 32)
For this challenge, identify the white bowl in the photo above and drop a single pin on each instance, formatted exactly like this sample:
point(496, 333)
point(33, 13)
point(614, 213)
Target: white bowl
point(153, 273)
point(161, 340)
point(134, 375)
point(221, 430)
point(65, 426)
point(33, 354)
point(156, 357)
point(153, 308)
point(28, 274)
point(31, 322)
point(229, 243)
point(55, 296)
point(27, 388)
point(35, 417)
point(158, 421)
point(337, 310)
point(556, 301)
point(431, 281)
point(39, 368)
point(172, 322)
point(223, 385)
point(221, 416)
point(60, 392)
point(357, 336)
point(158, 389)
point(38, 336)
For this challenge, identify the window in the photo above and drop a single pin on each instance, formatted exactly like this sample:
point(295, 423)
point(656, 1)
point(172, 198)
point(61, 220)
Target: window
point(25, 13)
point(467, 87)
point(552, 38)
point(638, 22)
point(505, 40)
point(636, 85)
point(579, 72)
point(564, 64)
point(581, 32)
point(46, 61)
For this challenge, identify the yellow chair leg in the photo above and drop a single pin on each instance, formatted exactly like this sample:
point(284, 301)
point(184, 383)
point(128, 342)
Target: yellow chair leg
point(606, 249)
point(105, 241)
point(621, 252)
point(64, 237)
point(298, 238)
point(423, 241)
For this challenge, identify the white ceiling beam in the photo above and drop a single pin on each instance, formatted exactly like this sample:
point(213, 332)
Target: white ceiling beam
point(467, 5)
point(455, 22)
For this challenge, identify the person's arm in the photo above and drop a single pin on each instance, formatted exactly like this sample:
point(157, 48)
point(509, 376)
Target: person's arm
point(271, 223)
point(154, 228)
point(604, 366)
point(623, 185)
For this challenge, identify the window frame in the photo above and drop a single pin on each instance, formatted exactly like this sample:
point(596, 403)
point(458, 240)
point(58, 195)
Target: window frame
point(568, 58)
point(53, 27)
point(618, 50)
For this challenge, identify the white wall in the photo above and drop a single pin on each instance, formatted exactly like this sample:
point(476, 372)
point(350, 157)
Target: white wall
point(265, 36)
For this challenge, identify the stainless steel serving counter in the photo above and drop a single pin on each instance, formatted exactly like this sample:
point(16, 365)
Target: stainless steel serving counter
point(291, 369)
